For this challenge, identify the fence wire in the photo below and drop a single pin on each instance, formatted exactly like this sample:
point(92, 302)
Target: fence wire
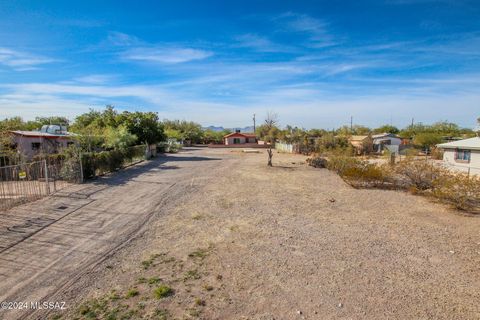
point(32, 181)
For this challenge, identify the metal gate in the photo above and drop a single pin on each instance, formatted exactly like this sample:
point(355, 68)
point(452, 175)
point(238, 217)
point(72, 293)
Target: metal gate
point(31, 181)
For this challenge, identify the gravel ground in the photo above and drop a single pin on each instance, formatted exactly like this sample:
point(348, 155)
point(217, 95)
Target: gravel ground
point(240, 240)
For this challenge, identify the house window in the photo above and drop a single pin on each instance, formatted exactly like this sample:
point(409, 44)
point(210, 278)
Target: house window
point(462, 155)
point(36, 146)
point(236, 140)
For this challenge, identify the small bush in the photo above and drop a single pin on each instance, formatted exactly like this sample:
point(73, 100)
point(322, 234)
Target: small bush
point(163, 291)
point(415, 176)
point(132, 293)
point(154, 280)
point(418, 174)
point(99, 163)
point(317, 162)
point(459, 190)
point(200, 302)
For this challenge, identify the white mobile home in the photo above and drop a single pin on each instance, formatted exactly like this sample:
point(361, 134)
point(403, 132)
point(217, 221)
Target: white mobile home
point(463, 155)
point(386, 141)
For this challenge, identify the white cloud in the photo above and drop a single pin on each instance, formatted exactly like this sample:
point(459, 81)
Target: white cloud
point(22, 61)
point(260, 44)
point(166, 55)
point(96, 79)
point(304, 104)
point(122, 39)
point(315, 29)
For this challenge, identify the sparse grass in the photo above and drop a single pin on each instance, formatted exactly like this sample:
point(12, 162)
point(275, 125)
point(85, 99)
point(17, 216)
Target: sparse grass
point(114, 295)
point(234, 228)
point(147, 263)
point(192, 275)
point(197, 216)
point(200, 253)
point(200, 302)
point(150, 261)
point(193, 312)
point(133, 292)
point(161, 314)
point(163, 291)
point(141, 280)
point(168, 260)
point(154, 280)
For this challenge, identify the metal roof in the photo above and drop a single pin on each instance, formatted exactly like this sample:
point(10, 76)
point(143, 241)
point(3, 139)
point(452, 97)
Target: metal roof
point(471, 144)
point(42, 134)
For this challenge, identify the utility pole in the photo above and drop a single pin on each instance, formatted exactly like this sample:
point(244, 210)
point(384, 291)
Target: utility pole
point(412, 122)
point(254, 123)
point(351, 124)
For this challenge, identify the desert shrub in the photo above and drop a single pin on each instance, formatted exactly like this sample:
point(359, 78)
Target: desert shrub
point(317, 162)
point(360, 173)
point(170, 146)
point(458, 189)
point(98, 163)
point(418, 174)
point(340, 163)
point(162, 291)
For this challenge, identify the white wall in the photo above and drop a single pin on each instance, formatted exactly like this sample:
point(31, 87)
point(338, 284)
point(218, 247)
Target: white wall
point(393, 141)
point(473, 165)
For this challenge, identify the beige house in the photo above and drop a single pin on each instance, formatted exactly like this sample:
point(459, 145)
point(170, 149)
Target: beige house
point(362, 144)
point(462, 155)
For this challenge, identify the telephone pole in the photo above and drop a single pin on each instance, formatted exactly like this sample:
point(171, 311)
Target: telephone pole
point(254, 123)
point(351, 124)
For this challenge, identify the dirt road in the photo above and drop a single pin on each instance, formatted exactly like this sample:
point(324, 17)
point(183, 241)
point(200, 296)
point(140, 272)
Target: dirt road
point(48, 245)
point(234, 239)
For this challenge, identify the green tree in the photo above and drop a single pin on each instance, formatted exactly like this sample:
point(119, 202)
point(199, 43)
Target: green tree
point(427, 140)
point(361, 130)
point(211, 136)
point(191, 132)
point(52, 120)
point(144, 125)
point(386, 129)
point(174, 134)
point(119, 138)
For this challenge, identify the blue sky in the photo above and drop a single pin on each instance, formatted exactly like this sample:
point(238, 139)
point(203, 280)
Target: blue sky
point(314, 63)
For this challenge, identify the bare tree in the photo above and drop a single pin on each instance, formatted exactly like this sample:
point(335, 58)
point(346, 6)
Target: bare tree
point(269, 132)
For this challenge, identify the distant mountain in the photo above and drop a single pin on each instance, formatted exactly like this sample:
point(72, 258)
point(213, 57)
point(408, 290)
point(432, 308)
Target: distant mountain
point(214, 128)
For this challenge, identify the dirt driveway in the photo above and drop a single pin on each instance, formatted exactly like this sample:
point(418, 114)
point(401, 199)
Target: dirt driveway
point(233, 239)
